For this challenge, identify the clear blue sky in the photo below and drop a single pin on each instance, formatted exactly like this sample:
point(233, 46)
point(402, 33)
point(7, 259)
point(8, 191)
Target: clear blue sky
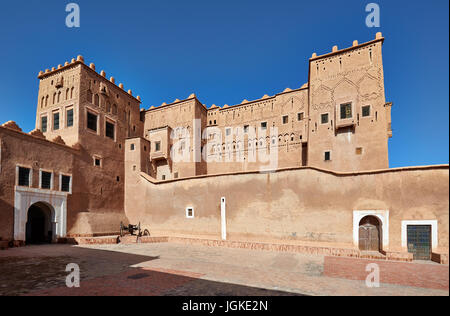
point(225, 51)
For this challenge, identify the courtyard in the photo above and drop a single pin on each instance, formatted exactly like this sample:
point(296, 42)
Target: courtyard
point(172, 269)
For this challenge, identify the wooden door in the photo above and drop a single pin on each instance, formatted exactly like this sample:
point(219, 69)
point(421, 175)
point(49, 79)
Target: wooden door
point(369, 238)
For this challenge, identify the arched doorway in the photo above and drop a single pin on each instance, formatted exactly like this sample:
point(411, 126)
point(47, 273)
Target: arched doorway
point(369, 234)
point(39, 227)
point(46, 200)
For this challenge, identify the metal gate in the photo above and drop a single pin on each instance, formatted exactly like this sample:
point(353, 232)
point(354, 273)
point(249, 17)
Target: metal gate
point(419, 241)
point(369, 238)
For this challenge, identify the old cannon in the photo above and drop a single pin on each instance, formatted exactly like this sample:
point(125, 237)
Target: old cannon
point(132, 229)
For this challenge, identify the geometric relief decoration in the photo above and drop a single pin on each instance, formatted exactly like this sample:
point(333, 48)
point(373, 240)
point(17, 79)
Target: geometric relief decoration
point(300, 101)
point(370, 84)
point(288, 102)
point(322, 98)
point(345, 89)
point(367, 86)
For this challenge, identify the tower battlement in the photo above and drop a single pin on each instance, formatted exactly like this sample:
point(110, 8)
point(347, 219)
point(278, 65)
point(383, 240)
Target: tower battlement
point(335, 50)
point(80, 61)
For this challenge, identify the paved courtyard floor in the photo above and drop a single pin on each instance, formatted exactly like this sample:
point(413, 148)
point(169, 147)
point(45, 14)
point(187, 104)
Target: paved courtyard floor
point(177, 269)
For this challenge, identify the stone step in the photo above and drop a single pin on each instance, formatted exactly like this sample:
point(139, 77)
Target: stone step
point(130, 239)
point(105, 240)
point(372, 255)
point(112, 240)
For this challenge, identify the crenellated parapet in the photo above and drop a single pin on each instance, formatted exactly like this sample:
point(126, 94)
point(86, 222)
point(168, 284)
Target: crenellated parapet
point(12, 125)
point(80, 61)
point(36, 133)
point(335, 50)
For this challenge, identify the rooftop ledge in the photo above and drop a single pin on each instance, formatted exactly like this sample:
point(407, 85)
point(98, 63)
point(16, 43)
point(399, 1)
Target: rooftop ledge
point(80, 61)
point(335, 51)
point(336, 173)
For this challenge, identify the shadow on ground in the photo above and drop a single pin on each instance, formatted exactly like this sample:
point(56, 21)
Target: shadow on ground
point(40, 271)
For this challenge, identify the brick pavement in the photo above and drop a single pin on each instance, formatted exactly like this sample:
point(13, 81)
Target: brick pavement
point(424, 275)
point(174, 269)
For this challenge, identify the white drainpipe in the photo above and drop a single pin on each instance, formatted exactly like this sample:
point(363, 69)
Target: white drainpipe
point(223, 218)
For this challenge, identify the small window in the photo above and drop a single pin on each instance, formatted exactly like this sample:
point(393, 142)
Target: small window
point(300, 116)
point(132, 147)
point(118, 179)
point(70, 118)
point(324, 118)
point(109, 131)
point(285, 119)
point(157, 146)
point(228, 132)
point(164, 177)
point(44, 124)
point(175, 175)
point(359, 150)
point(327, 156)
point(346, 111)
point(366, 111)
point(65, 183)
point(264, 125)
point(189, 212)
point(97, 162)
point(246, 128)
point(24, 177)
point(46, 180)
point(92, 121)
point(56, 121)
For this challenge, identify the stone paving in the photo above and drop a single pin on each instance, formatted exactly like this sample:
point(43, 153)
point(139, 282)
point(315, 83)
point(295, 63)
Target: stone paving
point(425, 274)
point(177, 269)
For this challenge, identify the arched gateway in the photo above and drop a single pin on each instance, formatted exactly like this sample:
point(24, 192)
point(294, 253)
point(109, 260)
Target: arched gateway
point(39, 227)
point(39, 215)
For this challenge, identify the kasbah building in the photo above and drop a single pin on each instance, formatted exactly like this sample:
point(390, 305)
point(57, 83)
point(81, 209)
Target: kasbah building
point(305, 169)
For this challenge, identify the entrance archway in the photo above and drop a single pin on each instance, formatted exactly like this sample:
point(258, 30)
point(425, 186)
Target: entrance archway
point(370, 230)
point(39, 227)
point(54, 201)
